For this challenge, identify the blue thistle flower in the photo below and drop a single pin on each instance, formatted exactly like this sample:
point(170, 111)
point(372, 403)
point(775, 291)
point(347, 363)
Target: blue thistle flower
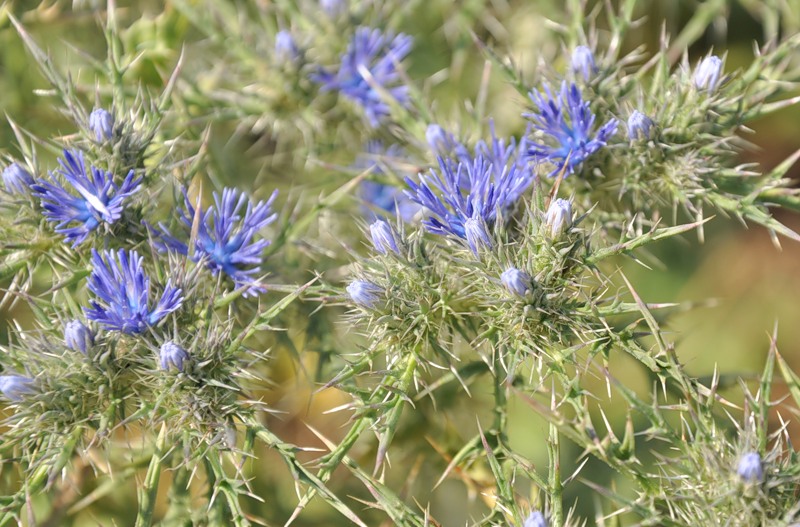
point(472, 187)
point(122, 292)
point(102, 124)
point(15, 387)
point(567, 120)
point(583, 62)
point(16, 179)
point(707, 74)
point(365, 294)
point(383, 238)
point(516, 281)
point(750, 468)
point(98, 200)
point(172, 355)
point(226, 240)
point(536, 519)
point(374, 55)
point(78, 337)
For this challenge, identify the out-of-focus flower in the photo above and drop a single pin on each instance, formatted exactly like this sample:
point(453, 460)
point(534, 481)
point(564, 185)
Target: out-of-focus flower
point(333, 8)
point(707, 74)
point(379, 195)
point(78, 337)
point(172, 356)
point(15, 387)
point(750, 467)
point(516, 281)
point(122, 293)
point(476, 234)
point(370, 61)
point(365, 294)
point(101, 123)
point(286, 49)
point(639, 125)
point(226, 240)
point(98, 200)
point(383, 237)
point(559, 216)
point(16, 179)
point(583, 62)
point(536, 519)
point(565, 118)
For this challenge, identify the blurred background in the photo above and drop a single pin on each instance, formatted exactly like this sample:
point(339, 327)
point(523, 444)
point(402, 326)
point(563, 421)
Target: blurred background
point(734, 289)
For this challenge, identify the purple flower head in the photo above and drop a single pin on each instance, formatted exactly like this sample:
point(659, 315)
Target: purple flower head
point(102, 124)
point(379, 195)
point(78, 337)
point(559, 216)
point(383, 237)
point(86, 200)
point(228, 237)
point(516, 281)
point(583, 62)
point(16, 179)
point(171, 355)
point(15, 387)
point(707, 74)
point(371, 60)
point(365, 294)
point(472, 187)
point(750, 467)
point(286, 49)
point(568, 123)
point(122, 293)
point(536, 519)
point(639, 126)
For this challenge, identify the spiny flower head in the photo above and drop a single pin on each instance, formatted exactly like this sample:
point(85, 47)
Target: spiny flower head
point(172, 356)
point(707, 74)
point(228, 237)
point(15, 387)
point(86, 200)
point(122, 293)
point(77, 336)
point(371, 59)
point(102, 124)
point(565, 118)
point(16, 179)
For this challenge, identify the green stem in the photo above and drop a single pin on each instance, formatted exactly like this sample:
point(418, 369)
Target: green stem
point(554, 476)
point(149, 490)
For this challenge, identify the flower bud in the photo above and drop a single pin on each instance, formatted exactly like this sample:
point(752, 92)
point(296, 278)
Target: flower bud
point(365, 294)
point(583, 62)
point(383, 238)
point(639, 126)
point(102, 124)
point(559, 217)
point(475, 231)
point(707, 74)
point(516, 281)
point(333, 8)
point(441, 142)
point(750, 468)
point(172, 355)
point(14, 387)
point(286, 49)
point(78, 337)
point(536, 519)
point(16, 179)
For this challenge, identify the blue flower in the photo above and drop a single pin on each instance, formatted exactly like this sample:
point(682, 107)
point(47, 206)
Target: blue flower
point(102, 124)
point(707, 74)
point(286, 49)
point(15, 387)
point(383, 238)
point(365, 294)
point(333, 8)
point(172, 355)
point(472, 187)
point(750, 468)
point(516, 281)
point(122, 292)
point(78, 337)
point(379, 195)
point(90, 200)
point(371, 60)
point(639, 125)
point(569, 123)
point(583, 62)
point(16, 179)
point(536, 519)
point(227, 241)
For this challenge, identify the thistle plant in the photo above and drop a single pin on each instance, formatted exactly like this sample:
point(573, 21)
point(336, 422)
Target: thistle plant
point(288, 263)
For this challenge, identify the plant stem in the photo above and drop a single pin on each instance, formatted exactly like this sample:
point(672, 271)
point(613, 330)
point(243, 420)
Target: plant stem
point(149, 490)
point(554, 454)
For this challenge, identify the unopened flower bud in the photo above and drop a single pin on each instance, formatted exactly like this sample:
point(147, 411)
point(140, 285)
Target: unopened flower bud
point(172, 355)
point(286, 49)
point(475, 231)
point(365, 294)
point(333, 8)
point(16, 179)
point(559, 216)
point(639, 126)
point(707, 74)
point(750, 468)
point(516, 281)
point(536, 519)
point(102, 124)
point(440, 141)
point(14, 387)
point(78, 337)
point(583, 62)
point(383, 238)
